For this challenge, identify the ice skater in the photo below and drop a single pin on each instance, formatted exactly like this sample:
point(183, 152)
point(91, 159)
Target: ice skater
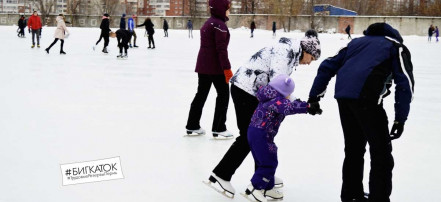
point(190, 29)
point(261, 68)
point(165, 27)
point(348, 31)
point(150, 31)
point(60, 34)
point(21, 27)
point(252, 27)
point(105, 30)
point(436, 33)
point(274, 29)
point(123, 37)
point(365, 69)
point(34, 24)
point(213, 67)
point(430, 33)
point(131, 25)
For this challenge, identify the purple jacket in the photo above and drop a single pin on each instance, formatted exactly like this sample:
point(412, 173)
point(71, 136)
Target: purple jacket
point(273, 108)
point(213, 54)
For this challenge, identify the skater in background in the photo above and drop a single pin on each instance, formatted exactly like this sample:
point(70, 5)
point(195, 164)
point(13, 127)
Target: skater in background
point(348, 31)
point(105, 30)
point(274, 29)
point(60, 34)
point(165, 27)
point(131, 26)
point(436, 33)
point(213, 67)
point(430, 32)
point(190, 28)
point(34, 24)
point(122, 22)
point(262, 67)
point(274, 105)
point(365, 70)
point(150, 31)
point(123, 37)
point(252, 27)
point(21, 26)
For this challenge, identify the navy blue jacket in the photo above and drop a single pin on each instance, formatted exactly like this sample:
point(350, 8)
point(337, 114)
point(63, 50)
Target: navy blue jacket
point(365, 70)
point(122, 23)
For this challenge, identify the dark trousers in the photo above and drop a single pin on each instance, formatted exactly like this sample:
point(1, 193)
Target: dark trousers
point(244, 104)
point(165, 32)
point(134, 38)
point(222, 99)
point(106, 39)
point(21, 33)
point(55, 41)
point(252, 31)
point(123, 43)
point(37, 33)
point(362, 123)
point(264, 152)
point(151, 40)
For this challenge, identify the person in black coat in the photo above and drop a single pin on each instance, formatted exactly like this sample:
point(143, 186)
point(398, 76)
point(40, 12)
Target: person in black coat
point(105, 30)
point(150, 31)
point(21, 26)
point(165, 27)
point(274, 28)
point(122, 23)
point(252, 27)
point(348, 31)
point(123, 37)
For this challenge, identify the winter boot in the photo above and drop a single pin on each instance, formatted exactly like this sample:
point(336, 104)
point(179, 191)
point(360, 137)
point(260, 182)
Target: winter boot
point(130, 46)
point(255, 193)
point(38, 45)
point(62, 53)
point(226, 185)
point(225, 134)
point(47, 50)
point(199, 131)
point(153, 47)
point(32, 46)
point(105, 50)
point(135, 46)
point(149, 47)
point(273, 193)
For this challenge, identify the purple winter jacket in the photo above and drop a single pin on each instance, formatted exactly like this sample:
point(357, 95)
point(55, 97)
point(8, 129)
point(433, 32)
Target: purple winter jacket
point(213, 53)
point(273, 108)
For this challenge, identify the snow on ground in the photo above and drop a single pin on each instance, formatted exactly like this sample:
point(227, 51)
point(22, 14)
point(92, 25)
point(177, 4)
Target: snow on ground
point(85, 105)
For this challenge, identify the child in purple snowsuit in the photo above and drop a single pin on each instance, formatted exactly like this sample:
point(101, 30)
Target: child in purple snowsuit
point(274, 105)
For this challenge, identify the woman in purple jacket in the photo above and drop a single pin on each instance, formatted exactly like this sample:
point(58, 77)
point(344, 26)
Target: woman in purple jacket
point(213, 67)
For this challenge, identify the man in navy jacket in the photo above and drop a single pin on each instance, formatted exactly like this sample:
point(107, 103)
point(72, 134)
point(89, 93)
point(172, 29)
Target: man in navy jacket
point(365, 70)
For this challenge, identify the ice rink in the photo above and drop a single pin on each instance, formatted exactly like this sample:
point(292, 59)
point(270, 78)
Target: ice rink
point(57, 109)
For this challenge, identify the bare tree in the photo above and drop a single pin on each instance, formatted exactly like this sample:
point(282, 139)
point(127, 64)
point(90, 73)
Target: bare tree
point(72, 9)
point(45, 7)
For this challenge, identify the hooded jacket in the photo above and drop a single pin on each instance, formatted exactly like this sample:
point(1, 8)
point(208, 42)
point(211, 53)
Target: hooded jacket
point(122, 23)
point(34, 22)
point(213, 53)
point(148, 26)
point(366, 67)
point(273, 108)
point(61, 28)
point(266, 64)
point(165, 25)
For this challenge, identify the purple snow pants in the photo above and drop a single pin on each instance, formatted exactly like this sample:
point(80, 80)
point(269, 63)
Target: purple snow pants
point(265, 155)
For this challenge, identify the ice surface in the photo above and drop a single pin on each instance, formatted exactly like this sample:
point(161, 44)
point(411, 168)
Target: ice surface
point(57, 109)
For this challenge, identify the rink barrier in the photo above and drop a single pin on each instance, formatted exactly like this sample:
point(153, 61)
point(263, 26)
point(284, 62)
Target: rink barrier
point(407, 25)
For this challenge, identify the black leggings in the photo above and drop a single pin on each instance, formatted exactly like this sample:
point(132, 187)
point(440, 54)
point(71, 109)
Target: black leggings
point(55, 41)
point(151, 40)
point(106, 39)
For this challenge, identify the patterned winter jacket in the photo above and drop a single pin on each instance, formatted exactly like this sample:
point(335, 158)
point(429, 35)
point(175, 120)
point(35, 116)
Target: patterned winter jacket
point(266, 64)
point(273, 108)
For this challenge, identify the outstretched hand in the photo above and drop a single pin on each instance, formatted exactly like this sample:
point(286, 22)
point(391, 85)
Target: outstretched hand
point(314, 108)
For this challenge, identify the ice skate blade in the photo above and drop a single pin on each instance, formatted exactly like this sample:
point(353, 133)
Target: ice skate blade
point(190, 134)
point(250, 197)
point(223, 192)
point(220, 137)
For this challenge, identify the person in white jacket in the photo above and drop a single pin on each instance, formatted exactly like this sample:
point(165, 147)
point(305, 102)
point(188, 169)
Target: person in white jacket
point(262, 67)
point(60, 34)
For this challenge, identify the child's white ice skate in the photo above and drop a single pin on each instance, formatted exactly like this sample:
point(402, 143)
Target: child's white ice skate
point(274, 194)
point(278, 182)
point(222, 186)
point(253, 194)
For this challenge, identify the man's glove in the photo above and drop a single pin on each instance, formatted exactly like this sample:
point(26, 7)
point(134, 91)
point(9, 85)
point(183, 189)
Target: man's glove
point(397, 130)
point(314, 107)
point(228, 74)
